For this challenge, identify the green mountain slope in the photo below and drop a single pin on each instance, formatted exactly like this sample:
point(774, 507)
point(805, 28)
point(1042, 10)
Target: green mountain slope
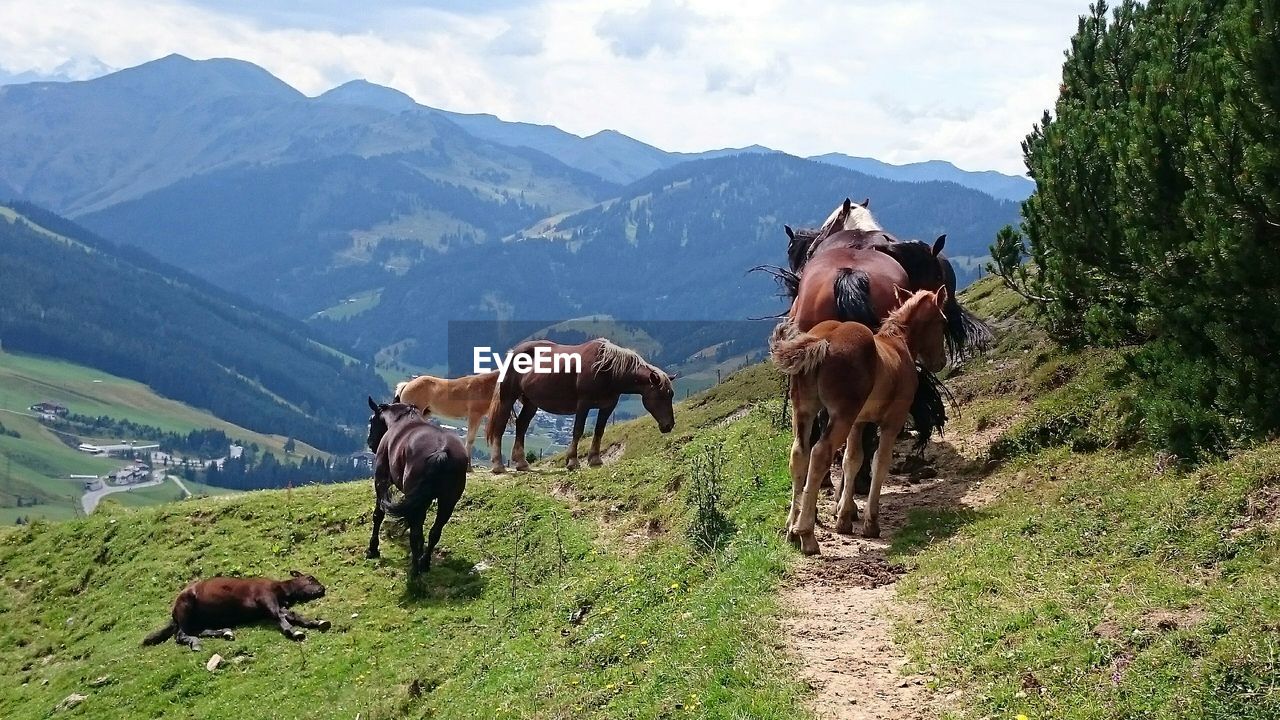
point(68, 294)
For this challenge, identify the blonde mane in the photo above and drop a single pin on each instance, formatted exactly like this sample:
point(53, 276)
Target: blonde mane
point(620, 361)
point(858, 218)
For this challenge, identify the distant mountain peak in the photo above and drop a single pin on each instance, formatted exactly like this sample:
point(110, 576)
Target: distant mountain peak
point(367, 94)
point(176, 74)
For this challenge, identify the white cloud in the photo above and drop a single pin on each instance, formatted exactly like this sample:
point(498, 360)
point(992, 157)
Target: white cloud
point(662, 24)
point(904, 81)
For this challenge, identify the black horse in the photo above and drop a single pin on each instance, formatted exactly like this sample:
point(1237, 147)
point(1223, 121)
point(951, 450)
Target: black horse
point(426, 463)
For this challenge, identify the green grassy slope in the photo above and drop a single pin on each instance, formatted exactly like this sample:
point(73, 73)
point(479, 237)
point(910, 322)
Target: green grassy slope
point(536, 610)
point(1105, 582)
point(38, 463)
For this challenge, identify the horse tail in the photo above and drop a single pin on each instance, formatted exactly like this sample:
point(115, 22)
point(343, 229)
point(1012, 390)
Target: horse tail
point(928, 408)
point(795, 352)
point(496, 417)
point(162, 634)
point(853, 298)
point(965, 331)
point(399, 389)
point(419, 497)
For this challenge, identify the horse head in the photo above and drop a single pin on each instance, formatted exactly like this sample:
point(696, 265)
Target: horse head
point(384, 415)
point(850, 215)
point(657, 395)
point(924, 322)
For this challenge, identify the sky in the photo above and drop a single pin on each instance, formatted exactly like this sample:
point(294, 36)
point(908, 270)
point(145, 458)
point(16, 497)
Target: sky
point(898, 80)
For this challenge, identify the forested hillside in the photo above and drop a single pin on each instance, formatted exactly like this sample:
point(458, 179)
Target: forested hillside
point(1156, 217)
point(68, 294)
point(675, 246)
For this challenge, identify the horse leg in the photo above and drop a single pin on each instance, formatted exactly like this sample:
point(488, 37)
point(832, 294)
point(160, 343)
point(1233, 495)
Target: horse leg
point(190, 641)
point(415, 541)
point(579, 424)
point(847, 509)
point(879, 470)
point(381, 483)
point(224, 633)
point(444, 510)
point(296, 619)
point(802, 418)
point(473, 425)
point(819, 463)
point(527, 411)
point(602, 417)
point(869, 441)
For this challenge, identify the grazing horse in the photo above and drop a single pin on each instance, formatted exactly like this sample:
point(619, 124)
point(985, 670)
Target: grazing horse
point(210, 608)
point(465, 397)
point(426, 463)
point(845, 378)
point(603, 373)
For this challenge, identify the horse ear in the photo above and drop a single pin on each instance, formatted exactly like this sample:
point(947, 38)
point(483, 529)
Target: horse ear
point(900, 294)
point(790, 233)
point(866, 204)
point(373, 405)
point(654, 379)
point(848, 204)
point(673, 376)
point(295, 573)
point(937, 244)
point(942, 296)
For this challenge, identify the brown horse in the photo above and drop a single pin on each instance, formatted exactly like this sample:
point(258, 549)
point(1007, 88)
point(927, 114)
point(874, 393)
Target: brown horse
point(603, 373)
point(211, 608)
point(465, 397)
point(845, 378)
point(426, 463)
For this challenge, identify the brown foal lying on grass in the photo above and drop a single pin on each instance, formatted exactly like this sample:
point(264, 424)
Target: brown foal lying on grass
point(210, 608)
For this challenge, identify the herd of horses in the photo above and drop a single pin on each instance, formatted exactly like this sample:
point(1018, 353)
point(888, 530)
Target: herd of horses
point(872, 318)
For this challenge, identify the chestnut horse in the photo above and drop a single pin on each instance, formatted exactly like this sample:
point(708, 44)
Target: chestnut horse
point(844, 378)
point(465, 397)
point(604, 373)
point(426, 463)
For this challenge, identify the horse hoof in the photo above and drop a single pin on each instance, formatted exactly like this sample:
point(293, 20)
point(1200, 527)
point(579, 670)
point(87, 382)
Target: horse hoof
point(195, 647)
point(497, 469)
point(324, 625)
point(372, 554)
point(809, 545)
point(595, 461)
point(297, 635)
point(871, 529)
point(844, 527)
point(228, 635)
point(522, 467)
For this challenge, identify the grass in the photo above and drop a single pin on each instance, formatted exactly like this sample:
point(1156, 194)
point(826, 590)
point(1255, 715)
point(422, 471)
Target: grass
point(1105, 582)
point(536, 610)
point(352, 306)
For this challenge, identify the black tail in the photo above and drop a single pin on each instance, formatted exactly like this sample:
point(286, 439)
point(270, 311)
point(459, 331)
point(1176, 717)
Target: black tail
point(928, 409)
point(161, 635)
point(853, 298)
point(965, 332)
point(429, 481)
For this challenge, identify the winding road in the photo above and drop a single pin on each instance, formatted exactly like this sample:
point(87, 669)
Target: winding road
point(89, 501)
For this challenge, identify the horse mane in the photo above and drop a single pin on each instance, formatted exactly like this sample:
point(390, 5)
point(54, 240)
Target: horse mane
point(620, 361)
point(898, 320)
point(858, 218)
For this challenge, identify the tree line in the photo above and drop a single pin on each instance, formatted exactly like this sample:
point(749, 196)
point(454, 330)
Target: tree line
point(1156, 217)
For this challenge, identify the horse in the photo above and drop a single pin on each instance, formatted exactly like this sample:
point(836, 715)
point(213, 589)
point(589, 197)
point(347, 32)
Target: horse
point(465, 397)
point(426, 463)
point(603, 373)
point(210, 608)
point(843, 379)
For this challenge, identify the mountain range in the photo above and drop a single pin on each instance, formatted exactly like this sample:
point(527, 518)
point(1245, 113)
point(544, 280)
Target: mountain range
point(376, 220)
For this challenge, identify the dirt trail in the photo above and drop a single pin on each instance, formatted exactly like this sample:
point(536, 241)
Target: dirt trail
point(841, 606)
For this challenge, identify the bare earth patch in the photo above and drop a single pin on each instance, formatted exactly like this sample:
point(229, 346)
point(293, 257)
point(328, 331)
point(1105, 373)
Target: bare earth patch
point(842, 604)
